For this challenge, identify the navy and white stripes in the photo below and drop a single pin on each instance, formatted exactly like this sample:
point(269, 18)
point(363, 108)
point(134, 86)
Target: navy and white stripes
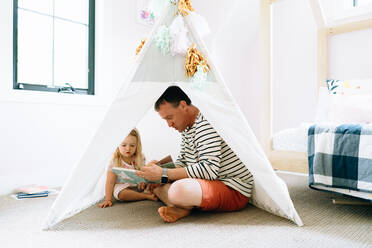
point(206, 155)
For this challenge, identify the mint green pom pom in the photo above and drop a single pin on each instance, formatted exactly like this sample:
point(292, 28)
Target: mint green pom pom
point(162, 40)
point(199, 78)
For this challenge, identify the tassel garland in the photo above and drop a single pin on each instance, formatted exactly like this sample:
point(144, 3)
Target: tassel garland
point(194, 59)
point(138, 50)
point(184, 6)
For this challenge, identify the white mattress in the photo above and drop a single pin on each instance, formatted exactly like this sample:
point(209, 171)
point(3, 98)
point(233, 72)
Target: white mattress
point(292, 139)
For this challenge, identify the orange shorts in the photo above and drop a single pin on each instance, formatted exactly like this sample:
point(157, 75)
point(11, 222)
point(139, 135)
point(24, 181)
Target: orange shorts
point(217, 196)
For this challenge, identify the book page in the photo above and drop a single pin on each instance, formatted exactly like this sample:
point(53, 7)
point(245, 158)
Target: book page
point(129, 176)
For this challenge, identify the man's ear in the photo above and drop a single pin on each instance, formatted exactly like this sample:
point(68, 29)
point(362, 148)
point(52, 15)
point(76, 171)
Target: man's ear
point(183, 104)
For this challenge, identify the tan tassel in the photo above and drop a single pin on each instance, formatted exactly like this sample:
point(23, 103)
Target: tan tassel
point(184, 6)
point(138, 50)
point(193, 59)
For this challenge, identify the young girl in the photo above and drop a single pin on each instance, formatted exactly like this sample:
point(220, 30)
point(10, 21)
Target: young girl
point(127, 155)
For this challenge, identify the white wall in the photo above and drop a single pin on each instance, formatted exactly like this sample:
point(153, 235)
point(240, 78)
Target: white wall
point(42, 135)
point(349, 55)
point(294, 75)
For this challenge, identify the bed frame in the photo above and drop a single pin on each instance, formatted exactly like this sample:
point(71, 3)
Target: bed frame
point(286, 160)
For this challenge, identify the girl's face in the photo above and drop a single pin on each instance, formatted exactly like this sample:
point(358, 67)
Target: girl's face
point(128, 147)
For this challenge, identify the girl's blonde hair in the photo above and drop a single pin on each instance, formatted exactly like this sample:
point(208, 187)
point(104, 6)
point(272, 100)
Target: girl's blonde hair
point(139, 159)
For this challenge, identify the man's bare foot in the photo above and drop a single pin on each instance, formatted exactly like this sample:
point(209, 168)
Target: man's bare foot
point(172, 214)
point(151, 196)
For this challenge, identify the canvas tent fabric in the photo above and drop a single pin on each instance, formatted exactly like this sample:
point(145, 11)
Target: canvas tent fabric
point(151, 74)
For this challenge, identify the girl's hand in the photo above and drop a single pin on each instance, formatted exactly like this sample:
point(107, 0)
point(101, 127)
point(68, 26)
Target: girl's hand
point(141, 186)
point(151, 186)
point(106, 203)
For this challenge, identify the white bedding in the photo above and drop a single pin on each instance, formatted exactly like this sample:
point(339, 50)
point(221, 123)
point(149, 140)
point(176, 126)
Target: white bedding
point(292, 139)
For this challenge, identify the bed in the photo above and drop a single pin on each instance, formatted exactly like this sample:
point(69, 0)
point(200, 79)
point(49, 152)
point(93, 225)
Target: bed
point(336, 150)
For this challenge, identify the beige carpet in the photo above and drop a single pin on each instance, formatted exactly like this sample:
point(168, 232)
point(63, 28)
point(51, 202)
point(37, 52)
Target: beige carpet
point(138, 224)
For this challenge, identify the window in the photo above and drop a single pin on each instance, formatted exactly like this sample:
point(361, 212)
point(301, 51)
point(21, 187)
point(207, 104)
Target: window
point(53, 45)
point(337, 12)
point(361, 3)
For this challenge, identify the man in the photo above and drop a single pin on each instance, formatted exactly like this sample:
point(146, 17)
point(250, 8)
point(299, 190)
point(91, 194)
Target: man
point(208, 174)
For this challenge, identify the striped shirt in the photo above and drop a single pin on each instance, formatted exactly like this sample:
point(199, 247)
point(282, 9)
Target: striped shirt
point(206, 155)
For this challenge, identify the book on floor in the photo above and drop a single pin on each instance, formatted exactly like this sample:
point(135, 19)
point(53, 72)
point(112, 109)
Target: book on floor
point(33, 191)
point(34, 195)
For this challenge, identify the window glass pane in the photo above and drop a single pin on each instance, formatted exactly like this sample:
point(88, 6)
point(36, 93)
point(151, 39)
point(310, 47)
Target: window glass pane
point(71, 54)
point(363, 2)
point(43, 6)
point(76, 10)
point(35, 45)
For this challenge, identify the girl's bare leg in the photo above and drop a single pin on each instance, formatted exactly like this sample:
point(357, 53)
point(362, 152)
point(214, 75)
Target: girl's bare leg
point(162, 193)
point(132, 195)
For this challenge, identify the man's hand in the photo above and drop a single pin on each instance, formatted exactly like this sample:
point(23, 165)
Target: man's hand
point(150, 172)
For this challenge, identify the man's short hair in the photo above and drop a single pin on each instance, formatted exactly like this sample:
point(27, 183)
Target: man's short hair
point(173, 95)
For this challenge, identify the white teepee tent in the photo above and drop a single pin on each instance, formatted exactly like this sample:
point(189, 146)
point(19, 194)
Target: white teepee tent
point(151, 74)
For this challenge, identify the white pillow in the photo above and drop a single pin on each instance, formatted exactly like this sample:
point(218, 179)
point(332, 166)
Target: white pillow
point(364, 85)
point(343, 108)
point(350, 108)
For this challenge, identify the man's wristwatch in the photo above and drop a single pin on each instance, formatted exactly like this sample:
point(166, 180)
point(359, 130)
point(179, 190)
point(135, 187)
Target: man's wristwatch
point(164, 177)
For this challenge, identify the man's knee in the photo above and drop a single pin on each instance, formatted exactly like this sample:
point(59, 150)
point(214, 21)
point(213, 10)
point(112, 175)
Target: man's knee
point(176, 192)
point(185, 192)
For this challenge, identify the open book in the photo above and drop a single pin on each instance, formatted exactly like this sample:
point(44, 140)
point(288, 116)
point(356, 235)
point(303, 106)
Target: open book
point(169, 165)
point(129, 175)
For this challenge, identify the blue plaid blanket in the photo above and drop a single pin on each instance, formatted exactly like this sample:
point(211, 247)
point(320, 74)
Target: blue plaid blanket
point(340, 156)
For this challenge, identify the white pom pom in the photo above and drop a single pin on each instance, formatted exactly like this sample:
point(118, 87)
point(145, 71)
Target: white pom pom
point(180, 42)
